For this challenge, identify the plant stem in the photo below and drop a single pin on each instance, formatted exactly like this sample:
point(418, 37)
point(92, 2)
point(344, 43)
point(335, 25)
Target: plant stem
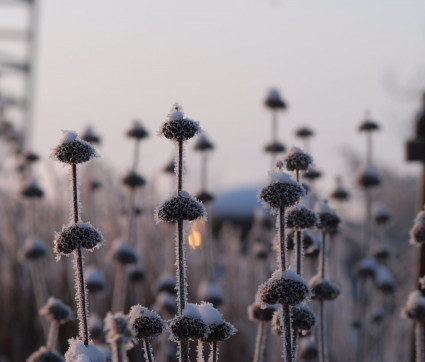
point(53, 334)
point(419, 342)
point(75, 191)
point(282, 244)
point(117, 352)
point(180, 168)
point(200, 352)
point(259, 342)
point(287, 333)
point(204, 171)
point(213, 353)
point(184, 350)
point(322, 356)
point(120, 288)
point(323, 255)
point(299, 252)
point(148, 352)
point(136, 155)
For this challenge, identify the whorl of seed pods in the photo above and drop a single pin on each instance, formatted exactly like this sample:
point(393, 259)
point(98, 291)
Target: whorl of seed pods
point(90, 136)
point(72, 150)
point(415, 307)
point(323, 289)
point(189, 325)
point(218, 329)
point(258, 314)
point(146, 323)
point(178, 128)
point(285, 288)
point(329, 221)
point(32, 191)
point(123, 253)
point(203, 144)
point(45, 355)
point(274, 101)
point(133, 180)
point(275, 147)
point(55, 310)
point(417, 232)
point(32, 249)
point(302, 317)
point(301, 217)
point(118, 329)
point(283, 191)
point(368, 177)
point(80, 234)
point(298, 160)
point(137, 131)
point(94, 280)
point(368, 126)
point(181, 207)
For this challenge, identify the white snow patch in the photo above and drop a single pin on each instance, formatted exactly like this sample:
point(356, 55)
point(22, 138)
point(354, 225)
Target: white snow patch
point(191, 311)
point(78, 352)
point(209, 314)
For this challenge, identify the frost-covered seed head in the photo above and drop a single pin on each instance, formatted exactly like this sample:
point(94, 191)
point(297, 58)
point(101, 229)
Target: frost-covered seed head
point(133, 180)
point(340, 193)
point(185, 327)
point(170, 167)
point(55, 310)
point(302, 317)
point(123, 253)
point(73, 151)
point(45, 355)
point(417, 232)
point(378, 316)
point(79, 352)
point(301, 217)
point(368, 126)
point(219, 332)
point(297, 159)
point(323, 289)
point(308, 350)
point(205, 197)
point(80, 234)
point(304, 132)
point(33, 249)
point(256, 313)
point(329, 221)
point(137, 274)
point(384, 279)
point(312, 174)
point(275, 147)
point(178, 128)
point(94, 280)
point(96, 328)
point(286, 290)
point(182, 207)
point(165, 283)
point(32, 191)
point(203, 144)
point(90, 136)
point(95, 185)
point(210, 293)
point(146, 323)
point(166, 303)
point(274, 100)
point(30, 156)
point(381, 214)
point(368, 177)
point(415, 307)
point(382, 254)
point(137, 131)
point(118, 329)
point(308, 240)
point(279, 194)
point(367, 268)
point(261, 251)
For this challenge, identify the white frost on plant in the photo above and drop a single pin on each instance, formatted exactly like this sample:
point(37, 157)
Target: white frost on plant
point(379, 209)
point(137, 311)
point(368, 171)
point(94, 276)
point(273, 94)
point(68, 136)
point(209, 314)
point(191, 311)
point(78, 352)
point(176, 112)
point(282, 177)
point(323, 207)
point(383, 276)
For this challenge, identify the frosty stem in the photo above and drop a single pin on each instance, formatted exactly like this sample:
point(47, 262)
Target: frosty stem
point(299, 252)
point(282, 241)
point(259, 342)
point(322, 356)
point(148, 352)
point(120, 286)
point(81, 288)
point(323, 255)
point(53, 335)
point(419, 341)
point(213, 353)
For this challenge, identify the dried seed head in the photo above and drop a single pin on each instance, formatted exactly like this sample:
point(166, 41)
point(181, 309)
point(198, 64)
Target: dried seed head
point(178, 128)
point(165, 283)
point(286, 288)
point(133, 180)
point(203, 144)
point(417, 232)
point(368, 126)
point(368, 177)
point(137, 274)
point(204, 197)
point(415, 307)
point(298, 160)
point(312, 174)
point(45, 355)
point(146, 323)
point(261, 251)
point(276, 326)
point(302, 317)
point(55, 310)
point(137, 131)
point(210, 293)
point(323, 289)
point(94, 280)
point(119, 330)
point(308, 350)
point(384, 279)
point(30, 156)
point(329, 221)
point(73, 151)
point(32, 191)
point(189, 325)
point(309, 241)
point(367, 268)
point(80, 234)
point(380, 214)
point(90, 136)
point(182, 207)
point(340, 193)
point(96, 328)
point(275, 147)
point(378, 316)
point(32, 249)
point(123, 253)
point(258, 314)
point(166, 303)
point(382, 254)
point(274, 101)
point(301, 217)
point(95, 185)
point(283, 191)
point(170, 167)
point(219, 332)
point(304, 132)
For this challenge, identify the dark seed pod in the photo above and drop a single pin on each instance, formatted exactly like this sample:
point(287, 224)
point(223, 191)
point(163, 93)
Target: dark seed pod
point(297, 159)
point(378, 317)
point(367, 268)
point(45, 355)
point(286, 288)
point(340, 193)
point(182, 207)
point(381, 214)
point(33, 249)
point(123, 253)
point(275, 147)
point(95, 185)
point(119, 329)
point(137, 131)
point(165, 283)
point(30, 156)
point(274, 101)
point(304, 132)
point(170, 167)
point(219, 332)
point(204, 197)
point(210, 293)
point(261, 251)
point(356, 324)
point(146, 323)
point(258, 314)
point(415, 307)
point(189, 325)
point(32, 191)
point(384, 279)
point(80, 234)
point(166, 303)
point(133, 180)
point(55, 310)
point(329, 221)
point(94, 280)
point(382, 254)
point(178, 128)
point(300, 217)
point(203, 144)
point(368, 126)
point(368, 177)
point(308, 350)
point(96, 328)
point(302, 317)
point(137, 274)
point(417, 232)
point(308, 240)
point(312, 174)
point(90, 136)
point(73, 151)
point(323, 289)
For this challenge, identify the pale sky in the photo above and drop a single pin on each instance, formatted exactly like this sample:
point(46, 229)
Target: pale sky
point(107, 62)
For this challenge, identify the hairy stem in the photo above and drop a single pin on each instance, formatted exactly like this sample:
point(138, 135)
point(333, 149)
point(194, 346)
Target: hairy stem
point(148, 352)
point(120, 289)
point(259, 342)
point(184, 350)
point(53, 335)
point(287, 333)
point(419, 342)
point(200, 352)
point(180, 168)
point(282, 244)
point(214, 352)
point(322, 342)
point(117, 352)
point(299, 252)
point(323, 256)
point(75, 191)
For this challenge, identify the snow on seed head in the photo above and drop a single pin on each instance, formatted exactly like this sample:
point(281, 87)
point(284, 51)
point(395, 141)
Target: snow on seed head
point(367, 268)
point(56, 310)
point(415, 307)
point(94, 280)
point(323, 289)
point(298, 160)
point(417, 232)
point(257, 313)
point(273, 100)
point(45, 355)
point(145, 322)
point(210, 293)
point(178, 128)
point(72, 150)
point(301, 217)
point(32, 249)
point(189, 325)
point(203, 144)
point(368, 176)
point(329, 221)
point(79, 352)
point(302, 317)
point(137, 131)
point(119, 330)
point(122, 253)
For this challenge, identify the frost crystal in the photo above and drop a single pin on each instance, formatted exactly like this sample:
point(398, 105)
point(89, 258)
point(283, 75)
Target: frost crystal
point(178, 128)
point(146, 323)
point(78, 352)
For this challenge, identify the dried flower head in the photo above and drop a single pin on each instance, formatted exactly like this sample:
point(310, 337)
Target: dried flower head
point(340, 193)
point(380, 214)
point(275, 147)
point(283, 191)
point(210, 293)
point(384, 279)
point(123, 253)
point(96, 328)
point(301, 217)
point(32, 249)
point(302, 317)
point(32, 191)
point(329, 221)
point(137, 131)
point(367, 268)
point(90, 136)
point(95, 185)
point(94, 280)
point(298, 160)
point(166, 303)
point(415, 307)
point(79, 234)
point(72, 150)
point(304, 132)
point(189, 325)
point(382, 254)
point(181, 207)
point(133, 180)
point(218, 329)
point(368, 126)
point(55, 310)
point(30, 156)
point(203, 144)
point(308, 350)
point(417, 232)
point(119, 329)
point(165, 283)
point(312, 174)
point(170, 167)
point(368, 177)
point(45, 355)
point(146, 323)
point(285, 288)
point(137, 274)
point(274, 101)
point(323, 289)
point(204, 197)
point(178, 128)
point(257, 313)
